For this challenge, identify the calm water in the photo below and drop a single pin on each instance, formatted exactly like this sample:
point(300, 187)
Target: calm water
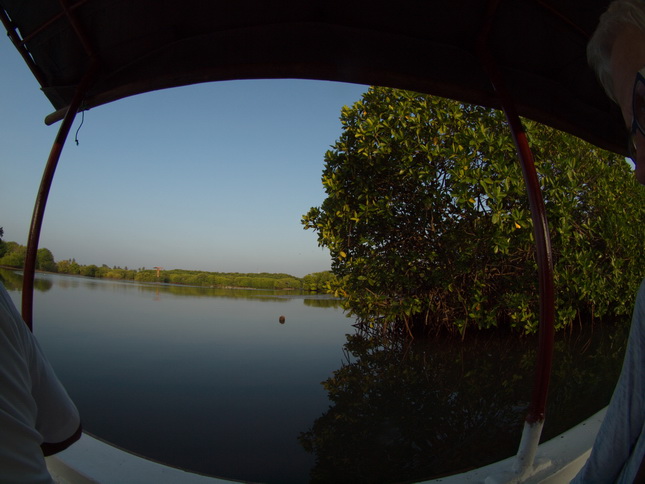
point(209, 380)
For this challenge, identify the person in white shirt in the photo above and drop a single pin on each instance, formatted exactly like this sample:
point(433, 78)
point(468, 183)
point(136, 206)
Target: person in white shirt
point(617, 53)
point(37, 416)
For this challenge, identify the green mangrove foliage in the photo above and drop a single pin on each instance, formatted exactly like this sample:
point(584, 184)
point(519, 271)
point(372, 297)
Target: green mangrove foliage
point(317, 281)
point(219, 279)
point(14, 256)
point(428, 224)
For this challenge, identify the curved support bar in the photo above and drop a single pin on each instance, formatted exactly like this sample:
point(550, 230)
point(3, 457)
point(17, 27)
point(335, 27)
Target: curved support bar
point(541, 233)
point(43, 194)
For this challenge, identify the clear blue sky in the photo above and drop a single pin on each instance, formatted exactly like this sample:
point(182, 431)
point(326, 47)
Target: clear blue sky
point(213, 176)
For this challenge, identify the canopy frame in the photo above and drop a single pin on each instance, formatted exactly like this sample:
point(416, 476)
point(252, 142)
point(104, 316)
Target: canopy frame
point(498, 76)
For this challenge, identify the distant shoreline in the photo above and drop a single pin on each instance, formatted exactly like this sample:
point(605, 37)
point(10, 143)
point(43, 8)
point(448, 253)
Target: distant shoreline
point(181, 284)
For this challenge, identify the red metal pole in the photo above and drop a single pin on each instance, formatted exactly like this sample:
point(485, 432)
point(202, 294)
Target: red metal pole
point(540, 229)
point(41, 198)
point(545, 270)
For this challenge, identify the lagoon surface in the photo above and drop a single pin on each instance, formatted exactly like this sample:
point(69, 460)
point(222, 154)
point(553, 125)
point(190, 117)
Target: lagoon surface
point(210, 380)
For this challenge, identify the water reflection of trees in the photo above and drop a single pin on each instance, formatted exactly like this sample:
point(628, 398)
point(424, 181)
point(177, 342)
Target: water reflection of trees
point(12, 281)
point(411, 410)
point(241, 293)
point(322, 302)
point(230, 293)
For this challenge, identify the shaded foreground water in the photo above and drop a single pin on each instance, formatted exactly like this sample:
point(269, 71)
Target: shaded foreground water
point(209, 380)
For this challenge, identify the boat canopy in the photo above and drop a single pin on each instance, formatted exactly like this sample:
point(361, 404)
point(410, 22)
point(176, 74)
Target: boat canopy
point(428, 46)
point(525, 56)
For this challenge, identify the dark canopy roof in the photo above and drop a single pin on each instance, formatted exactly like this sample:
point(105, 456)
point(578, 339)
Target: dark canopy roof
point(422, 45)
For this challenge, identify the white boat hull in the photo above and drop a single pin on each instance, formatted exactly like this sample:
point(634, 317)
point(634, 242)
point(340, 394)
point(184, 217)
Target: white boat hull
point(91, 461)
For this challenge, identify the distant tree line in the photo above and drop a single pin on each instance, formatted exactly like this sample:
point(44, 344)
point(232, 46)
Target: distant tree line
point(13, 255)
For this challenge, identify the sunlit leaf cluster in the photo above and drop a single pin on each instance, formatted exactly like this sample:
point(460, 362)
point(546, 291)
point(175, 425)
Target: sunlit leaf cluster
point(427, 219)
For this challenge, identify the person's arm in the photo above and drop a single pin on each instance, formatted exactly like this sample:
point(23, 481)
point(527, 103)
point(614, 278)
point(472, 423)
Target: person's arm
point(50, 448)
point(57, 419)
point(37, 417)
